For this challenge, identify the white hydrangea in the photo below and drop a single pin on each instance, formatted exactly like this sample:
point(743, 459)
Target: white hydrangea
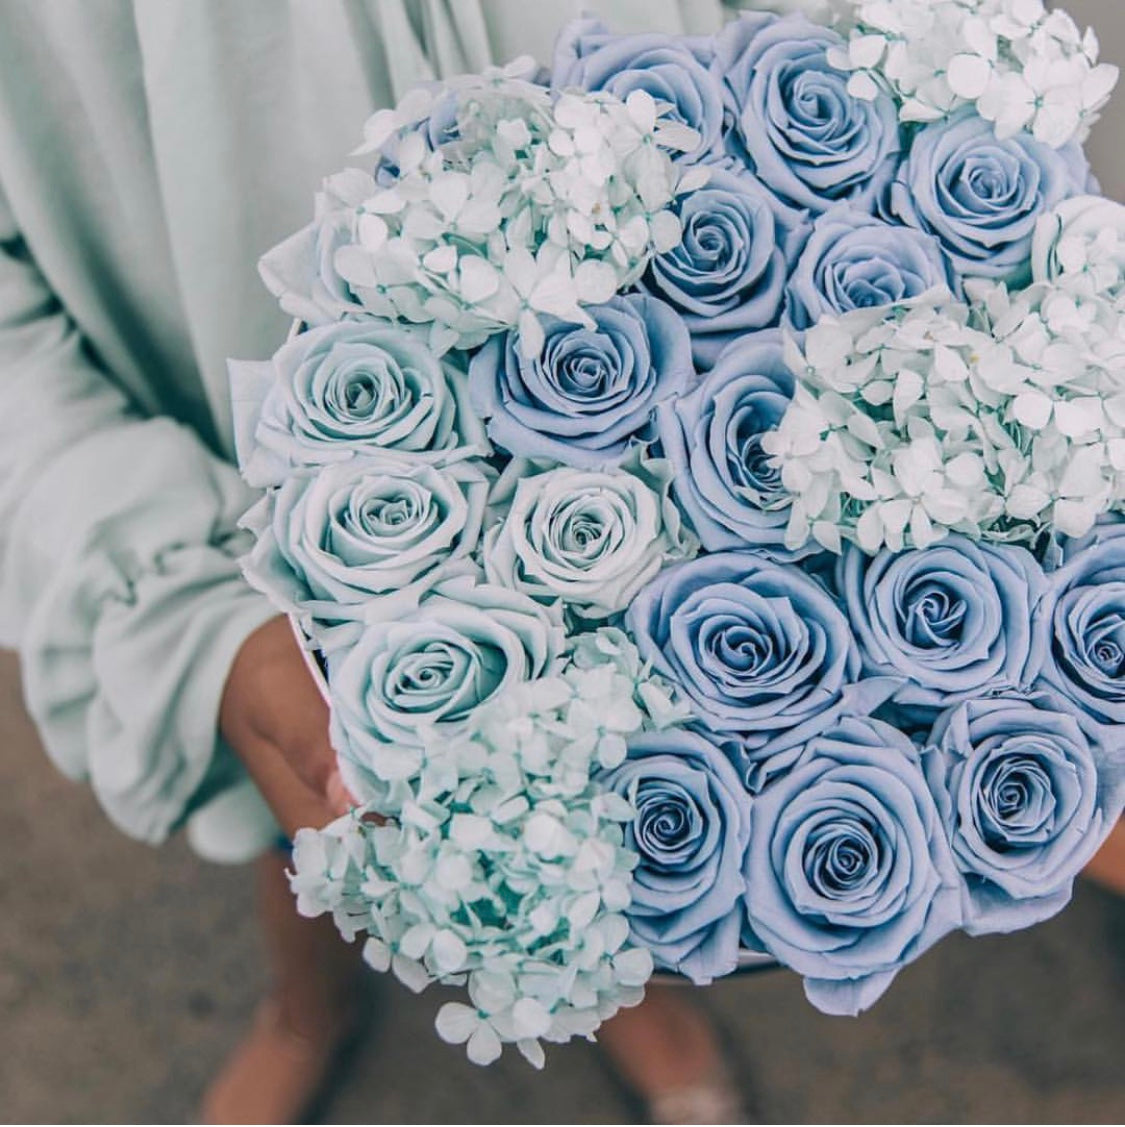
point(1022, 66)
point(1002, 418)
point(503, 866)
point(536, 205)
point(1081, 245)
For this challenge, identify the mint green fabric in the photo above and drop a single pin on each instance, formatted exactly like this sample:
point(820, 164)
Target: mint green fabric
point(149, 153)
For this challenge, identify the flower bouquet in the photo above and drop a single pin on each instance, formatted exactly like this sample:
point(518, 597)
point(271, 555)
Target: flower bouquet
point(695, 469)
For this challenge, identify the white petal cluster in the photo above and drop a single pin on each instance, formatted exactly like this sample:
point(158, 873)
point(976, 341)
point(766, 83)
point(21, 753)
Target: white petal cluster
point(1002, 418)
point(502, 865)
point(1081, 246)
point(1022, 66)
point(537, 204)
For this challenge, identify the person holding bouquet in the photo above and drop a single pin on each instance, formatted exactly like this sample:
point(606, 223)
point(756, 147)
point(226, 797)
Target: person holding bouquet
point(150, 151)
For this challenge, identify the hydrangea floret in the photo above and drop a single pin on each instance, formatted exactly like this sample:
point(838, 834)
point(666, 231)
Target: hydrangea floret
point(1002, 418)
point(501, 864)
point(1021, 65)
point(533, 203)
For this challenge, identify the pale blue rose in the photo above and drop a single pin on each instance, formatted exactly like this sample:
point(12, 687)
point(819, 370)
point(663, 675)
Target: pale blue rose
point(756, 647)
point(854, 260)
point(675, 70)
point(953, 621)
point(849, 875)
point(982, 197)
point(418, 676)
point(591, 538)
point(690, 833)
point(353, 388)
point(355, 540)
point(727, 275)
point(1082, 617)
point(590, 393)
point(724, 481)
point(806, 137)
point(1027, 788)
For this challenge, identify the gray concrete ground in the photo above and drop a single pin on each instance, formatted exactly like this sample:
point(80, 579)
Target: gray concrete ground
point(127, 973)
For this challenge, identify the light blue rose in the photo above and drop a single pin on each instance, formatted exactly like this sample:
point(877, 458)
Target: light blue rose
point(953, 621)
point(724, 481)
point(674, 70)
point(727, 275)
point(690, 833)
point(982, 197)
point(1082, 618)
point(855, 261)
point(1027, 788)
point(849, 875)
point(356, 540)
point(756, 647)
point(806, 137)
point(590, 393)
point(353, 388)
point(591, 538)
point(418, 676)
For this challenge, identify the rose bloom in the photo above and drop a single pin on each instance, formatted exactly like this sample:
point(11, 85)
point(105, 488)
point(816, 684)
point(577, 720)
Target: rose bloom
point(592, 538)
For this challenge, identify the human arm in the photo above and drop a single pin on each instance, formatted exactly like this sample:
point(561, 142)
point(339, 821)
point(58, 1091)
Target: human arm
point(119, 583)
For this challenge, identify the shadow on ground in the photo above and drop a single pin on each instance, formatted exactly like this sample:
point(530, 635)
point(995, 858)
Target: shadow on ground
point(126, 973)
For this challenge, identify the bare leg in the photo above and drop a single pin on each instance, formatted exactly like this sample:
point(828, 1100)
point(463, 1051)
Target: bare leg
point(314, 1007)
point(667, 1052)
point(1108, 865)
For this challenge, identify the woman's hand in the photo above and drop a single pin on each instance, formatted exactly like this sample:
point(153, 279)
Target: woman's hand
point(274, 717)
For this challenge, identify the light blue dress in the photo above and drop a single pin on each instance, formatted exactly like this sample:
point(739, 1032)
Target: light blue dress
point(150, 151)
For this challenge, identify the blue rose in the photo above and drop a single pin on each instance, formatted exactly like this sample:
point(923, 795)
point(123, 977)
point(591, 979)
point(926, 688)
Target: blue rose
point(418, 675)
point(1082, 617)
point(727, 275)
point(589, 393)
point(690, 832)
point(849, 875)
point(674, 70)
point(856, 261)
point(982, 197)
point(756, 647)
point(725, 483)
point(1026, 788)
point(806, 137)
point(357, 387)
point(954, 621)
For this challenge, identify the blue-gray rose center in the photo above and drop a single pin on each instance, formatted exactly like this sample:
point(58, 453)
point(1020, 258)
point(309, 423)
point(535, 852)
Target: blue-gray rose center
point(841, 854)
point(750, 466)
point(668, 826)
point(817, 104)
point(932, 616)
point(1017, 802)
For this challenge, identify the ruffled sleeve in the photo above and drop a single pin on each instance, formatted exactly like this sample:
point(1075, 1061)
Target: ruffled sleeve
point(119, 582)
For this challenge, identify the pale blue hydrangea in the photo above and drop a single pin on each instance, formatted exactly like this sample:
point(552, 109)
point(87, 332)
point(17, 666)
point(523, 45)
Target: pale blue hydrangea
point(528, 203)
point(1020, 64)
point(1000, 418)
point(504, 867)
